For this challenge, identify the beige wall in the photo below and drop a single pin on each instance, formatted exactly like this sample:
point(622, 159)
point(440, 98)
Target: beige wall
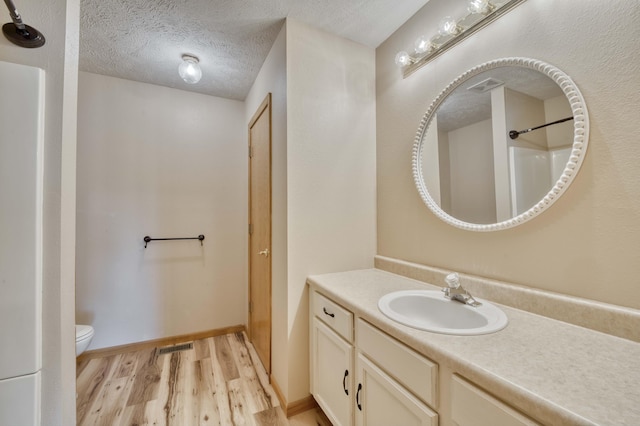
point(323, 191)
point(586, 244)
point(323, 154)
point(330, 172)
point(58, 20)
point(165, 163)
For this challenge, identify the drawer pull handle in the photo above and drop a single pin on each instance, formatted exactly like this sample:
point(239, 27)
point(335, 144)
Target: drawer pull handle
point(328, 313)
point(358, 396)
point(344, 382)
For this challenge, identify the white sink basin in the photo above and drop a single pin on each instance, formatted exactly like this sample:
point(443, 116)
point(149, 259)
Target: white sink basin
point(429, 310)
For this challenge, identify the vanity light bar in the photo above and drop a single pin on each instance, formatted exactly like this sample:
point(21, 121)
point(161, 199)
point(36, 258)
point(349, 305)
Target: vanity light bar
point(451, 32)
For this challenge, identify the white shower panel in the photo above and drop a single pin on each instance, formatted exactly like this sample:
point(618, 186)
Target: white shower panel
point(530, 176)
point(559, 160)
point(21, 181)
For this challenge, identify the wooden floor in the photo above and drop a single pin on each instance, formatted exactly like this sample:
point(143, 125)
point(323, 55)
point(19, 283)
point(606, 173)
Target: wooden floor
point(215, 383)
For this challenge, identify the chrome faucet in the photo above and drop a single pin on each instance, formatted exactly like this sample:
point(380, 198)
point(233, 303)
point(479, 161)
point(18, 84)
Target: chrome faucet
point(455, 291)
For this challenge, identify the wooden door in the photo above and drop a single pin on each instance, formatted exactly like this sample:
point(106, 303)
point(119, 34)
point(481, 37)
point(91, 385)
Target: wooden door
point(260, 232)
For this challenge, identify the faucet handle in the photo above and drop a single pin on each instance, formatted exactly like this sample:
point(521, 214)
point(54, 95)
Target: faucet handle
point(452, 280)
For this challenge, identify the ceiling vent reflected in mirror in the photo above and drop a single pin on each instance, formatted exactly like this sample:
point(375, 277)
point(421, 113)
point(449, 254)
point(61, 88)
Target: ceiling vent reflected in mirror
point(485, 85)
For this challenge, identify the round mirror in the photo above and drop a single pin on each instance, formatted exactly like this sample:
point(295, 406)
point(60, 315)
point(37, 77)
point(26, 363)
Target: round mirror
point(500, 144)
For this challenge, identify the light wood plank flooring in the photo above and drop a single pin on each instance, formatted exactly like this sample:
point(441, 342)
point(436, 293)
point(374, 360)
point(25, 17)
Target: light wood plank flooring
point(218, 382)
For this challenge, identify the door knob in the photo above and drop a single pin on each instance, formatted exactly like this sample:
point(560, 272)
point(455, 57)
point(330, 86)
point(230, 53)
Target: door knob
point(264, 252)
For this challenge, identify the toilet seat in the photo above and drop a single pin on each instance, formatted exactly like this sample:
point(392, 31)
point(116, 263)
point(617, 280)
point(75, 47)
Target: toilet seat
point(84, 335)
point(83, 332)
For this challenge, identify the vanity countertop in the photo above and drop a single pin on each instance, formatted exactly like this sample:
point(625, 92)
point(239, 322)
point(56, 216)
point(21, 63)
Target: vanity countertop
point(556, 372)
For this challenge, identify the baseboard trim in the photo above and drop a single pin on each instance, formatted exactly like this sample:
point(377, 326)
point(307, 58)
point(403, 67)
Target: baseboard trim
point(301, 405)
point(278, 391)
point(163, 341)
point(296, 407)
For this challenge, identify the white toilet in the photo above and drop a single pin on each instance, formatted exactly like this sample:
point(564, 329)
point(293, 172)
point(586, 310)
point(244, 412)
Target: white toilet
point(84, 334)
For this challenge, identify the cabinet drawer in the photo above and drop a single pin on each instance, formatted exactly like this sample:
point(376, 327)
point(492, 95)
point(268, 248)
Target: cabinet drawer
point(415, 372)
point(334, 315)
point(471, 406)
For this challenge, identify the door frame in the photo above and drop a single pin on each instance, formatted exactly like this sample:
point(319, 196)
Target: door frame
point(265, 105)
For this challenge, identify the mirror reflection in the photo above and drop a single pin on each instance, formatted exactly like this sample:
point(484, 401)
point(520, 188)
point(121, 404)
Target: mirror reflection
point(473, 169)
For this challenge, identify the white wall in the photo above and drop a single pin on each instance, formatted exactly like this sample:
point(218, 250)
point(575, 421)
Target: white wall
point(588, 240)
point(165, 163)
point(430, 162)
point(444, 167)
point(523, 112)
point(471, 160)
point(330, 172)
point(272, 78)
point(58, 20)
point(561, 134)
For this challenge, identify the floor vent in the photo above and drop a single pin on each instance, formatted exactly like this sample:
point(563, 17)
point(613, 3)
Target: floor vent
point(176, 348)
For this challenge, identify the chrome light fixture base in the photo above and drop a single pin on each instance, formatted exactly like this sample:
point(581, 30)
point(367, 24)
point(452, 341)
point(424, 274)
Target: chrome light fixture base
point(465, 27)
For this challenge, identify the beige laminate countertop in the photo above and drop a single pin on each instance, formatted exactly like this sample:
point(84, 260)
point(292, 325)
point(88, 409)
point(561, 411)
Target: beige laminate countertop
point(556, 372)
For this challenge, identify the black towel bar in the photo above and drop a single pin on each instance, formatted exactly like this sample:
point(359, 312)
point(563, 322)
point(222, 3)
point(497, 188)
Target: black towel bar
point(513, 134)
point(147, 239)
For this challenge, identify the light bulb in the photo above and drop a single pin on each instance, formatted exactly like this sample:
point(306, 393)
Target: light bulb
point(403, 59)
point(189, 69)
point(422, 45)
point(479, 6)
point(448, 26)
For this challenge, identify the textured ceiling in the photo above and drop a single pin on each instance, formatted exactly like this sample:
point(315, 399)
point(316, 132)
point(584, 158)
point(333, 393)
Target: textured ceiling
point(464, 107)
point(143, 40)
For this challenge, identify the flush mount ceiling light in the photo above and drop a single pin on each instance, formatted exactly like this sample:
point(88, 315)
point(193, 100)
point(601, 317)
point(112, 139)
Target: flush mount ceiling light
point(451, 31)
point(189, 69)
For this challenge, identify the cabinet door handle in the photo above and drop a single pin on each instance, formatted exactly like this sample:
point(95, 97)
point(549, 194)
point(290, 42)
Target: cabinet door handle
point(358, 396)
point(344, 382)
point(328, 313)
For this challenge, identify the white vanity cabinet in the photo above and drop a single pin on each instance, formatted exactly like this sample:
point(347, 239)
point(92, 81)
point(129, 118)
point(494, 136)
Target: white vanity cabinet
point(419, 377)
point(392, 383)
point(362, 376)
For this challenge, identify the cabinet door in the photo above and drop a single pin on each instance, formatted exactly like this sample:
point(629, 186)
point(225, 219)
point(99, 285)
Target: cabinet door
point(380, 400)
point(471, 406)
point(332, 373)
